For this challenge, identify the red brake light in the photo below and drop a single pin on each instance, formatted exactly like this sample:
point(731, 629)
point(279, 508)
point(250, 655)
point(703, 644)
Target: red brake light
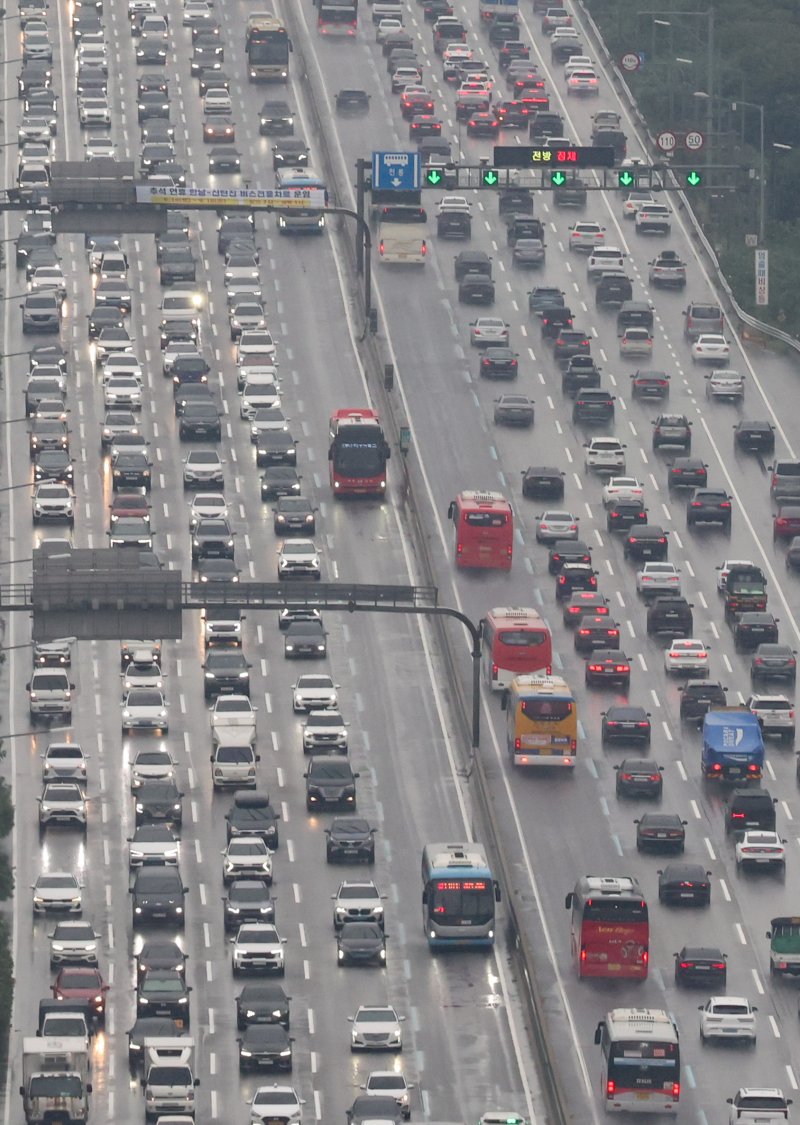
point(611, 1087)
point(655, 776)
point(676, 1090)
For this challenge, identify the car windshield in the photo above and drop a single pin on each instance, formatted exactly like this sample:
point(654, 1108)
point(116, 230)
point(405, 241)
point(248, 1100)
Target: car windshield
point(157, 882)
point(275, 1097)
point(56, 882)
point(266, 935)
point(359, 891)
point(376, 1015)
point(233, 707)
point(163, 984)
point(239, 848)
point(243, 892)
point(330, 771)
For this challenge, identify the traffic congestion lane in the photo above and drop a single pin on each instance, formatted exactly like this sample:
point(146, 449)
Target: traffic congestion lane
point(726, 551)
point(180, 672)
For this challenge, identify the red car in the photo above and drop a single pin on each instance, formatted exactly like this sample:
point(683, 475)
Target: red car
point(415, 103)
point(786, 523)
point(82, 984)
point(130, 504)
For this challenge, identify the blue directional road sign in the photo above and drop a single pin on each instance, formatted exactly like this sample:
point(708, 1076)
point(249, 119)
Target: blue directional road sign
point(395, 171)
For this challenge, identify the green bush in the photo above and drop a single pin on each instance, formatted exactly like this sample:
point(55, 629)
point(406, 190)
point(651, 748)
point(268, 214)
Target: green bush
point(6, 809)
point(6, 987)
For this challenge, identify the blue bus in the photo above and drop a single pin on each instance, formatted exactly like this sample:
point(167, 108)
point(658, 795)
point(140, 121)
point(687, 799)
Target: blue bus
point(458, 896)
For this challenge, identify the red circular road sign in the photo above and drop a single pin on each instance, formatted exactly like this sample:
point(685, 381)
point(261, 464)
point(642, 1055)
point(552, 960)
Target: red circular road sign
point(631, 61)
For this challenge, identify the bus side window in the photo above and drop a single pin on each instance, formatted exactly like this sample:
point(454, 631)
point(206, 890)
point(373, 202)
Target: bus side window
point(504, 700)
point(451, 511)
point(496, 891)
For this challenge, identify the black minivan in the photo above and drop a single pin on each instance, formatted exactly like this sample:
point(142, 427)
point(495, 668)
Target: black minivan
point(634, 314)
point(750, 808)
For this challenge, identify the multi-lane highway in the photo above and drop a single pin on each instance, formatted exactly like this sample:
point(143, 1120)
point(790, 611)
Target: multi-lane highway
point(557, 828)
point(401, 738)
point(554, 828)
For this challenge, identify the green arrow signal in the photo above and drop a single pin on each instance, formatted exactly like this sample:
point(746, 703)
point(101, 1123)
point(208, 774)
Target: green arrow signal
point(490, 177)
point(433, 177)
point(694, 179)
point(557, 179)
point(625, 179)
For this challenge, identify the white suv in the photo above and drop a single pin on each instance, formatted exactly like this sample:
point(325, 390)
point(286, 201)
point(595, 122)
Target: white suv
point(604, 455)
point(53, 501)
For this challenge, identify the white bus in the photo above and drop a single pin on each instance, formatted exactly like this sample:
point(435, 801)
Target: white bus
point(641, 1061)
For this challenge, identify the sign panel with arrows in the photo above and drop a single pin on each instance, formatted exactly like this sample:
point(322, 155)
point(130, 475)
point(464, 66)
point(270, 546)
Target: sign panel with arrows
point(395, 171)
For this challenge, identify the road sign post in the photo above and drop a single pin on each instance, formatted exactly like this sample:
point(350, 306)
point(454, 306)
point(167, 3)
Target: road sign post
point(395, 171)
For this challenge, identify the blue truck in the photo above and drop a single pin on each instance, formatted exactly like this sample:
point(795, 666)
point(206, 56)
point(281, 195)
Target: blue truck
point(733, 746)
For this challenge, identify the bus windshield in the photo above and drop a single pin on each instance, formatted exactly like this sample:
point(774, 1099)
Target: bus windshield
point(455, 900)
point(272, 50)
point(354, 458)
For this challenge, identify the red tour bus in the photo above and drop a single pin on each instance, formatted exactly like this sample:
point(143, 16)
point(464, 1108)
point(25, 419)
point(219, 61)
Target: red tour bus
point(337, 17)
point(515, 642)
point(358, 453)
point(610, 928)
point(484, 526)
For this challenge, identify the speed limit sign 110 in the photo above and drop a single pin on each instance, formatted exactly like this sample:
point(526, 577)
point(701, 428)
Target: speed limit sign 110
point(666, 141)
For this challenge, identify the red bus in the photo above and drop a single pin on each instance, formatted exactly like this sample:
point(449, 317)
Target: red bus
point(610, 928)
point(358, 453)
point(515, 642)
point(337, 17)
point(484, 527)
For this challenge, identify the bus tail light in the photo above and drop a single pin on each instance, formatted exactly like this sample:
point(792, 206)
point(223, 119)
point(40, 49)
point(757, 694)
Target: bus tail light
point(517, 743)
point(495, 671)
point(573, 744)
point(611, 1088)
point(459, 548)
point(549, 672)
point(676, 1090)
point(645, 957)
point(583, 953)
point(509, 549)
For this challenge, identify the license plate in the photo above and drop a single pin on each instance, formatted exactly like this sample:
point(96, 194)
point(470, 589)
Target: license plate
point(159, 914)
point(661, 835)
point(179, 1023)
point(642, 1096)
point(350, 851)
point(686, 894)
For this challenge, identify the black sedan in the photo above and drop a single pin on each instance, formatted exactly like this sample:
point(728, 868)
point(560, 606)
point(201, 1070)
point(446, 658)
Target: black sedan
point(53, 464)
point(636, 777)
point(160, 954)
point(701, 966)
point(626, 724)
point(226, 671)
point(131, 470)
point(626, 514)
point(361, 943)
point(596, 631)
point(607, 666)
point(264, 1002)
point(483, 124)
point(159, 802)
point(265, 1047)
point(499, 363)
point(279, 480)
point(164, 992)
point(247, 900)
point(582, 602)
point(660, 832)
point(543, 482)
point(330, 784)
point(200, 421)
point(647, 541)
point(687, 472)
point(565, 551)
point(684, 884)
point(224, 160)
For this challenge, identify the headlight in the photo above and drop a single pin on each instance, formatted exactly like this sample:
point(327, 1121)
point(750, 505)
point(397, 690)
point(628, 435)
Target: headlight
point(139, 807)
point(245, 1054)
point(143, 1000)
point(58, 948)
point(184, 1000)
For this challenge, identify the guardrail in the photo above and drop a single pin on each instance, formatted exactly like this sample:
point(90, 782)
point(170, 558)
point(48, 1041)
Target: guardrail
point(649, 144)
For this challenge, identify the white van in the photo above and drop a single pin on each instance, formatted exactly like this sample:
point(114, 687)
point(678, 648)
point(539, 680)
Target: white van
point(233, 763)
point(402, 244)
point(50, 693)
point(181, 304)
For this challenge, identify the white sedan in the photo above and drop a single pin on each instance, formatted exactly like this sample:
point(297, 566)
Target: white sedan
point(622, 488)
point(207, 505)
point(577, 62)
point(711, 348)
point(488, 330)
point(144, 709)
point(658, 578)
point(276, 1103)
point(758, 848)
point(724, 570)
point(687, 657)
point(123, 390)
point(728, 1017)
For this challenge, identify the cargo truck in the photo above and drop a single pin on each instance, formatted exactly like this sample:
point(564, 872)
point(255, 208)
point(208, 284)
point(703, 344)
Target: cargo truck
point(55, 1080)
point(784, 946)
point(733, 745)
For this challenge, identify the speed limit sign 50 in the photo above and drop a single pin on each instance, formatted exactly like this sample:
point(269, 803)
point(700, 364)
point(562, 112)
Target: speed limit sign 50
point(694, 140)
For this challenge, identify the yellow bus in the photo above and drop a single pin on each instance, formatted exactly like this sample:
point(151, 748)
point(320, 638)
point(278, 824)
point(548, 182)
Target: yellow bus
point(541, 722)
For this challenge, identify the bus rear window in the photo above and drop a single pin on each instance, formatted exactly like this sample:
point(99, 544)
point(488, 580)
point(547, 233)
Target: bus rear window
point(522, 638)
point(486, 519)
point(626, 911)
point(645, 1050)
point(547, 710)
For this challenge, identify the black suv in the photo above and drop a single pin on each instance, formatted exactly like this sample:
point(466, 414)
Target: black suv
point(709, 505)
point(247, 900)
point(350, 838)
point(226, 671)
point(276, 447)
point(570, 342)
point(200, 421)
point(687, 472)
point(158, 895)
point(593, 406)
point(330, 784)
point(672, 429)
point(545, 297)
point(648, 542)
point(567, 551)
point(158, 802)
point(607, 666)
point(637, 777)
point(625, 514)
point(251, 814)
point(650, 384)
point(554, 319)
point(754, 437)
point(750, 808)
point(754, 628)
point(671, 614)
point(275, 117)
point(700, 696)
point(294, 513)
point(543, 482)
point(580, 374)
point(265, 1047)
point(575, 576)
point(699, 965)
point(212, 538)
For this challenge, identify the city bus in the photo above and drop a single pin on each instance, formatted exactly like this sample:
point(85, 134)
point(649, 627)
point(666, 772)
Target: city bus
point(641, 1061)
point(358, 453)
point(484, 530)
point(296, 219)
point(458, 896)
point(610, 932)
point(267, 45)
point(337, 17)
point(541, 722)
point(514, 642)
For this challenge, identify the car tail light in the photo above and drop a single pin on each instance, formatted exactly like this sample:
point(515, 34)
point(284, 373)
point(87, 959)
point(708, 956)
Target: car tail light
point(655, 776)
point(583, 632)
point(613, 632)
point(737, 816)
point(622, 668)
point(643, 724)
point(686, 964)
point(424, 248)
point(725, 504)
point(753, 768)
